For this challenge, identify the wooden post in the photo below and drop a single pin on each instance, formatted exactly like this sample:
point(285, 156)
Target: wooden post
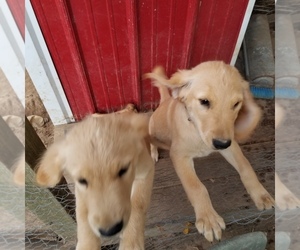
point(10, 146)
point(34, 149)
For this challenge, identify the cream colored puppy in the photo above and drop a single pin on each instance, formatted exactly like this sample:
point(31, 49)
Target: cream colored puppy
point(211, 109)
point(108, 157)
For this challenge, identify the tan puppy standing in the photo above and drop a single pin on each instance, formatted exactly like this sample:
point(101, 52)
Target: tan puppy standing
point(108, 157)
point(211, 109)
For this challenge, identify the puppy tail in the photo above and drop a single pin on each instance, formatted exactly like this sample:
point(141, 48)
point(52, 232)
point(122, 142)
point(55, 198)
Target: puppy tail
point(159, 80)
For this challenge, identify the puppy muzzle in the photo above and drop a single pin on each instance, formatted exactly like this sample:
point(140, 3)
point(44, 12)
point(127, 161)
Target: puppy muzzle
point(113, 230)
point(221, 144)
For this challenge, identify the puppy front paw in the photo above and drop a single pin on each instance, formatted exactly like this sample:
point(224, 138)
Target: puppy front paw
point(285, 199)
point(210, 224)
point(262, 199)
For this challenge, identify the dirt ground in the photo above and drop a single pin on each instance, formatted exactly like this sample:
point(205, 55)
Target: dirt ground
point(13, 111)
point(11, 108)
point(34, 106)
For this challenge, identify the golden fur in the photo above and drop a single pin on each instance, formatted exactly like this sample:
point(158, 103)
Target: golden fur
point(211, 108)
point(109, 159)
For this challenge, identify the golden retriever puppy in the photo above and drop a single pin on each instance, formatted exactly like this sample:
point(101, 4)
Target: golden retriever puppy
point(284, 198)
point(108, 157)
point(211, 109)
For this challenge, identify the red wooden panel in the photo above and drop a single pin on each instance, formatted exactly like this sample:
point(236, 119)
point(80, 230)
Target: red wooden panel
point(61, 41)
point(218, 28)
point(108, 50)
point(101, 49)
point(166, 30)
point(17, 9)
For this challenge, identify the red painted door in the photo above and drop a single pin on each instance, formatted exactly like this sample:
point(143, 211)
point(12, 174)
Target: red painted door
point(101, 48)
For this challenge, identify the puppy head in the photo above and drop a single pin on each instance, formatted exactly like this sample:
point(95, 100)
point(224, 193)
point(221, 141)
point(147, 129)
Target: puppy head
point(101, 154)
point(217, 100)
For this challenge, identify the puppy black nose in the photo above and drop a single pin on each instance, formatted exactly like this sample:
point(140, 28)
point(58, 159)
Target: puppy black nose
point(113, 230)
point(221, 144)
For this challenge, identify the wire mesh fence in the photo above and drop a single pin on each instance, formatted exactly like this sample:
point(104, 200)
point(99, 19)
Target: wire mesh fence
point(48, 228)
point(50, 223)
point(12, 219)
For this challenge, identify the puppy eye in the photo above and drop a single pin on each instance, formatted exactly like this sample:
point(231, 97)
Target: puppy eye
point(122, 171)
point(83, 181)
point(235, 105)
point(204, 102)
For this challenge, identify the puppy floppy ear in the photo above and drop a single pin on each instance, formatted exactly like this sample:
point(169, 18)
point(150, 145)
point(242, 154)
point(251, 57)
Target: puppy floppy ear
point(49, 169)
point(248, 116)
